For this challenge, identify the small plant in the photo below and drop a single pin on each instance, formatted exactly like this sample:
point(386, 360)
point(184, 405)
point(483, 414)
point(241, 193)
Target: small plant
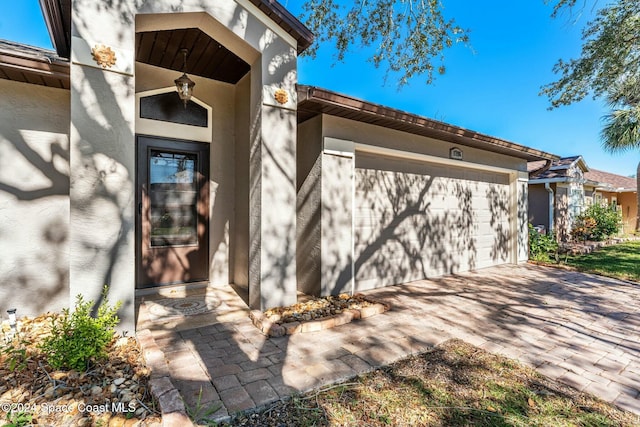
point(18, 419)
point(200, 413)
point(77, 338)
point(16, 355)
point(597, 223)
point(541, 246)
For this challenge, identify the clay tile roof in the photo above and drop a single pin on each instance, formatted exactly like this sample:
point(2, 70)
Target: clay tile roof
point(612, 180)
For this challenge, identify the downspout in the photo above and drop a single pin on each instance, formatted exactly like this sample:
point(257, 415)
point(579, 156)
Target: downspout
point(551, 200)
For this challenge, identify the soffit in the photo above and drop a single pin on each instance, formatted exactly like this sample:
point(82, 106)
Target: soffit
point(28, 64)
point(206, 58)
point(313, 101)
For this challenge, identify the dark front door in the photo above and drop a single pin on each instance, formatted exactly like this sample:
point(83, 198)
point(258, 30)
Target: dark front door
point(172, 230)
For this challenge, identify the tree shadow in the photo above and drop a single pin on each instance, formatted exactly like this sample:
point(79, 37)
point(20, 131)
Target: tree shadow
point(34, 204)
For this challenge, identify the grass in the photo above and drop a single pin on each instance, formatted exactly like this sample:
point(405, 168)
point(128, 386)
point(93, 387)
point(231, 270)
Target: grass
point(455, 384)
point(621, 261)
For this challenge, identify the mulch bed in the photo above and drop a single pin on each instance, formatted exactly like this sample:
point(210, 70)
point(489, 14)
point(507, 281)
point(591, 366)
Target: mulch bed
point(315, 314)
point(113, 392)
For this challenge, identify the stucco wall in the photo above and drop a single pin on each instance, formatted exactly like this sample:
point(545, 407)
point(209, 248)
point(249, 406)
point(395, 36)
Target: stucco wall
point(309, 194)
point(34, 198)
point(538, 205)
point(240, 238)
point(340, 128)
point(628, 205)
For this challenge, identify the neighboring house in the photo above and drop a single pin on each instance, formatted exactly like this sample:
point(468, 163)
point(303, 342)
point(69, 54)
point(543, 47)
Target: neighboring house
point(559, 193)
point(107, 178)
point(617, 190)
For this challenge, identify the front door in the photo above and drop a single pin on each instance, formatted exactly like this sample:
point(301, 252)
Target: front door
point(172, 230)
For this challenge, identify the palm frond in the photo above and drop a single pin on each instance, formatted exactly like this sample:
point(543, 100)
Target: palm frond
point(621, 130)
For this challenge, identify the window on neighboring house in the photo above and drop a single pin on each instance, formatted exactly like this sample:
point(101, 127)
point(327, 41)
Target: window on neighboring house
point(577, 201)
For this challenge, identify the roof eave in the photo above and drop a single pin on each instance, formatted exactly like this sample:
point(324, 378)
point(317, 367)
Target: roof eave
point(37, 67)
point(418, 125)
point(57, 16)
point(281, 16)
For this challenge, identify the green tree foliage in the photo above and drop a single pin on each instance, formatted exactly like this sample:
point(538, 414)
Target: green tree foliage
point(621, 129)
point(409, 36)
point(610, 54)
point(608, 67)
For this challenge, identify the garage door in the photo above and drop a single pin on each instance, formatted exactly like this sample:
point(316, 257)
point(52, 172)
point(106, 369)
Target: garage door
point(414, 220)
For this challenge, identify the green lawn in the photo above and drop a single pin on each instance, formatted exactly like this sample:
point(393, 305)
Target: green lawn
point(621, 261)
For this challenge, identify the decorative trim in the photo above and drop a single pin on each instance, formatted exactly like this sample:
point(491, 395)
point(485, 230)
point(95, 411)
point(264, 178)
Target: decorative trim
point(281, 96)
point(104, 56)
point(82, 54)
point(391, 152)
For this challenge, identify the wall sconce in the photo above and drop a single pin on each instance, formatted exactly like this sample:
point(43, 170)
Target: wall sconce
point(184, 84)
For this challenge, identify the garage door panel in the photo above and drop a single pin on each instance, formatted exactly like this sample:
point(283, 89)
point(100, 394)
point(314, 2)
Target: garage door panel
point(412, 223)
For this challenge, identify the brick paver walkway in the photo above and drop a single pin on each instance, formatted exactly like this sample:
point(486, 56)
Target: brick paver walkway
point(580, 329)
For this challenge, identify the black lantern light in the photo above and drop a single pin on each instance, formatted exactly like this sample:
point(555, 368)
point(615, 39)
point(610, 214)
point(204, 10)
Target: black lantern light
point(184, 84)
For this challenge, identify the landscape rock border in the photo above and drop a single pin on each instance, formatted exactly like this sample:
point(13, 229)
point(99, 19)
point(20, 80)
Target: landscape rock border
point(273, 329)
point(174, 413)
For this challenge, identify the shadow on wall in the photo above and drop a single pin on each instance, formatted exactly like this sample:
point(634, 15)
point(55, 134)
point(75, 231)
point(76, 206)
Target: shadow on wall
point(500, 222)
point(413, 221)
point(34, 203)
point(402, 233)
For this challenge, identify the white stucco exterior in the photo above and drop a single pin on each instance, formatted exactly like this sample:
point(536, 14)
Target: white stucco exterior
point(34, 198)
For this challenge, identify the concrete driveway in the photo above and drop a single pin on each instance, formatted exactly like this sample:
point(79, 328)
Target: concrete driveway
point(580, 329)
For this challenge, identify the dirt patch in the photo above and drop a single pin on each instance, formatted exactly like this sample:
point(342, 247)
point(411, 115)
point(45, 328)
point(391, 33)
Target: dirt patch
point(454, 384)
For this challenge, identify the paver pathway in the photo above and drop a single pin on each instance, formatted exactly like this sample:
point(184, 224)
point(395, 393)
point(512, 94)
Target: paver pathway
point(580, 329)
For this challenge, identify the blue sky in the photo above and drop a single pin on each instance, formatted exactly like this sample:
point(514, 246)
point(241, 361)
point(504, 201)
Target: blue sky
point(492, 88)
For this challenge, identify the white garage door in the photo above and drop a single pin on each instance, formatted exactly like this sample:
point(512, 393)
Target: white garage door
point(414, 220)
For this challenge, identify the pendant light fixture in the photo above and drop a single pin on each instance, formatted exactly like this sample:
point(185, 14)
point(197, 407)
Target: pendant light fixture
point(184, 84)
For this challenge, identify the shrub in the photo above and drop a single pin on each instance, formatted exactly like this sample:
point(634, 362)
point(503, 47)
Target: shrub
point(78, 339)
point(541, 246)
point(597, 223)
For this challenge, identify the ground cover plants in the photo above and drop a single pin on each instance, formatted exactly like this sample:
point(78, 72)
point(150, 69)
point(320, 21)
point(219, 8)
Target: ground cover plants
point(621, 261)
point(455, 384)
point(542, 247)
point(596, 223)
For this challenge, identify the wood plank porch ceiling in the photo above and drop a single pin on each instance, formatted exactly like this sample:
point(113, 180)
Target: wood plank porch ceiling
point(206, 57)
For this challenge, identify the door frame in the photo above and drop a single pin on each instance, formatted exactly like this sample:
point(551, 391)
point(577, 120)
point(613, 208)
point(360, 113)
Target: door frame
point(166, 143)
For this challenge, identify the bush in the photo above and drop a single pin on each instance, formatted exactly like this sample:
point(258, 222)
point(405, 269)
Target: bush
point(597, 223)
point(78, 339)
point(541, 246)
